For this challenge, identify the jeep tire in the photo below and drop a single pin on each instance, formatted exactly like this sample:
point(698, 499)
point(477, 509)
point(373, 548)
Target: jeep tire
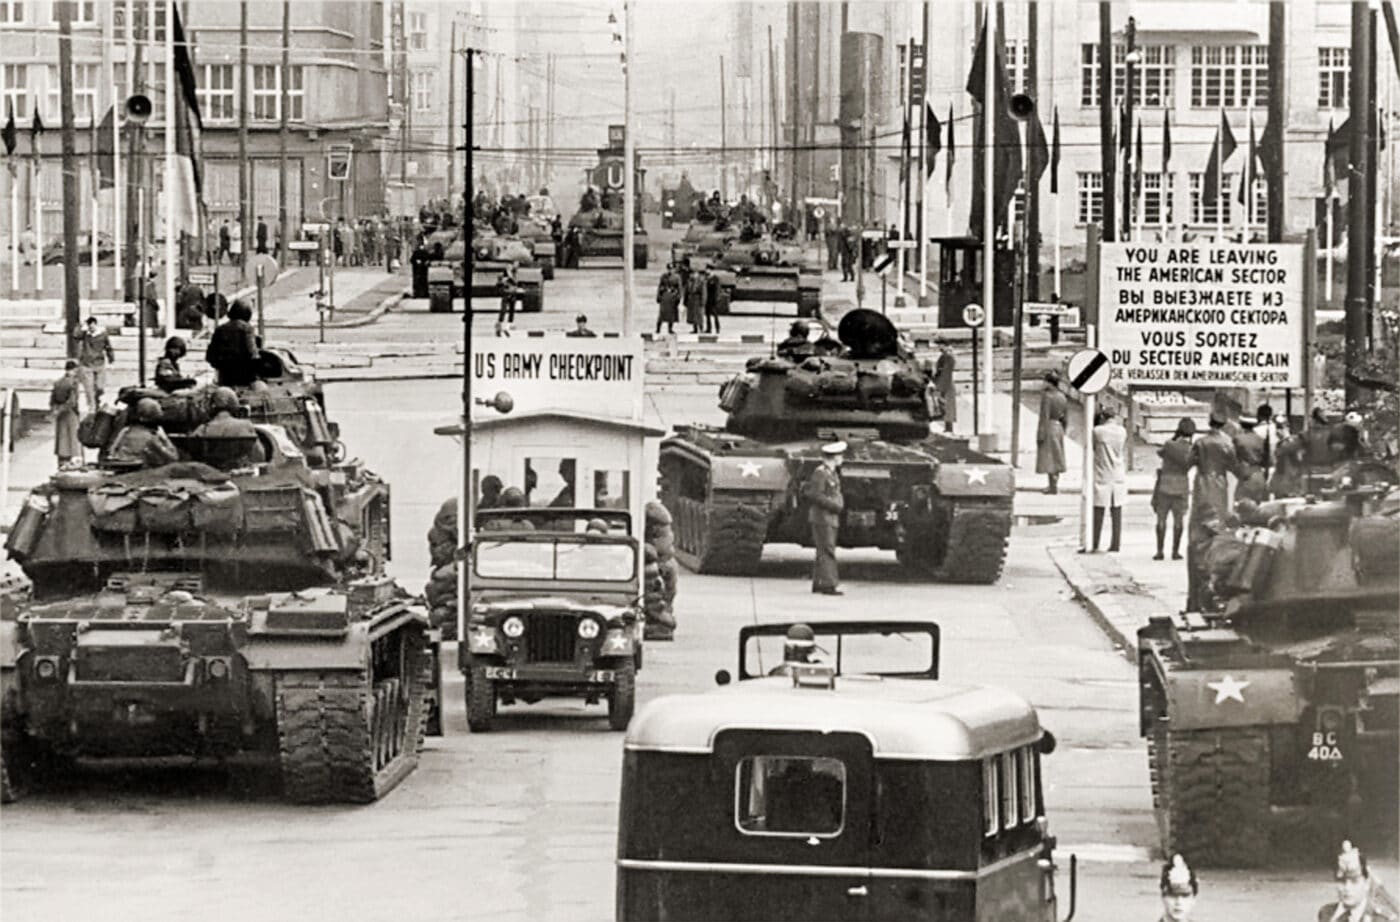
point(481, 700)
point(622, 700)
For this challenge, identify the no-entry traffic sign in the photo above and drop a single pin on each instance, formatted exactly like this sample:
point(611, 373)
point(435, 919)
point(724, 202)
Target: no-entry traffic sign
point(1089, 371)
point(881, 264)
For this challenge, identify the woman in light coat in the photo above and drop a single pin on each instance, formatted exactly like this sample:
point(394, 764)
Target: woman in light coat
point(1110, 475)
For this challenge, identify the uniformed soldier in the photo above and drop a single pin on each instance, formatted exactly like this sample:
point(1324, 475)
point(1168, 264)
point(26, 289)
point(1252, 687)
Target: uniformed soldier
point(822, 492)
point(142, 441)
point(1179, 889)
point(241, 435)
point(1213, 457)
point(1359, 899)
point(797, 346)
point(1170, 495)
point(1250, 451)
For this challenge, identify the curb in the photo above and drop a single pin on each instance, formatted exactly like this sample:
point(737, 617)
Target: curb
point(384, 306)
point(1113, 599)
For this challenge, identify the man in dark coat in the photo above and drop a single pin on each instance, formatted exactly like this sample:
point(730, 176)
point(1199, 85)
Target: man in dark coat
point(1050, 432)
point(668, 299)
point(848, 255)
point(1171, 494)
point(943, 383)
point(225, 243)
point(233, 348)
point(833, 243)
point(260, 235)
point(1213, 457)
point(822, 493)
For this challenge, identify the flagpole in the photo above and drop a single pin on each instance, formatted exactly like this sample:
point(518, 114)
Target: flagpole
point(1248, 173)
point(118, 231)
point(1220, 180)
point(37, 195)
point(989, 214)
point(901, 258)
point(171, 231)
point(1327, 217)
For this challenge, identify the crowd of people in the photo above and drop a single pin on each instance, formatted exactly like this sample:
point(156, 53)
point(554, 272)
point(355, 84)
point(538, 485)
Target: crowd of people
point(363, 241)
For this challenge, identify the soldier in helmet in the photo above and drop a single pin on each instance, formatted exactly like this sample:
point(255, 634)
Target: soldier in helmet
point(224, 424)
point(1359, 899)
point(798, 345)
point(1213, 456)
point(822, 492)
point(799, 646)
point(1179, 889)
point(142, 441)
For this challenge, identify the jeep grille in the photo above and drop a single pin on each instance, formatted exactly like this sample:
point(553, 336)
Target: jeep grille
point(550, 637)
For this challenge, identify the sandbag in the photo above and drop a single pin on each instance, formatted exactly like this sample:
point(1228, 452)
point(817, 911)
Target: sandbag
point(441, 554)
point(837, 381)
point(1375, 544)
point(657, 514)
point(649, 553)
point(665, 545)
point(445, 572)
point(437, 535)
point(113, 507)
point(446, 517)
point(165, 509)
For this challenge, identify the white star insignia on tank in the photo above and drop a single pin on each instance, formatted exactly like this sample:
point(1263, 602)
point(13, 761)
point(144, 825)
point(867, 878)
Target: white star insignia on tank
point(749, 469)
point(1228, 688)
point(976, 475)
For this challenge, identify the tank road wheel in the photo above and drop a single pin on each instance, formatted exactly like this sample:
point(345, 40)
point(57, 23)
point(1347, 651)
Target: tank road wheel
point(969, 545)
point(622, 700)
point(481, 701)
point(1212, 792)
point(351, 737)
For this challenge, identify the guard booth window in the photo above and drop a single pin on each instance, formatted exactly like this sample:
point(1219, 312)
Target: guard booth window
point(790, 796)
point(611, 489)
point(550, 482)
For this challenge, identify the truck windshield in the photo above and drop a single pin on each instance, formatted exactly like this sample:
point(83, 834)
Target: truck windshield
point(566, 560)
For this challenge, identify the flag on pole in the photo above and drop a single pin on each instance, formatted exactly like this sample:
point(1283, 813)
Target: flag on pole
point(187, 124)
point(952, 151)
point(1125, 132)
point(8, 134)
point(1137, 161)
point(103, 150)
point(1166, 142)
point(1220, 151)
point(933, 138)
point(1055, 155)
point(36, 128)
point(1037, 149)
point(1251, 165)
point(1004, 135)
point(1329, 168)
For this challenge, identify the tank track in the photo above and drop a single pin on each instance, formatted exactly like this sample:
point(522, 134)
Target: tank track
point(1210, 793)
point(974, 545)
point(731, 534)
point(333, 742)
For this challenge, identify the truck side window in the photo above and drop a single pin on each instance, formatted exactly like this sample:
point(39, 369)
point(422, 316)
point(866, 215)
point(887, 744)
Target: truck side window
point(1027, 776)
point(991, 796)
point(790, 795)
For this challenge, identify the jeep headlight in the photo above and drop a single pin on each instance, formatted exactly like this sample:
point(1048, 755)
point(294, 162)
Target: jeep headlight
point(588, 628)
point(616, 643)
point(513, 627)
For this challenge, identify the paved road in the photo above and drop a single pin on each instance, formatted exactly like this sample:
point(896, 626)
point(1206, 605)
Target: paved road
point(520, 824)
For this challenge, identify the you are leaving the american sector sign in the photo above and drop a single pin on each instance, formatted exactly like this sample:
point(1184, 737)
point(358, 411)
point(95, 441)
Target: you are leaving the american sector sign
point(1202, 315)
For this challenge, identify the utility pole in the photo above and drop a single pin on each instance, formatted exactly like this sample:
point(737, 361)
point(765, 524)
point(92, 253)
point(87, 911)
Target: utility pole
point(244, 167)
point(723, 137)
point(793, 104)
point(283, 222)
point(772, 115)
point(1032, 187)
point(463, 518)
point(629, 174)
point(1130, 73)
point(1107, 151)
point(451, 108)
point(136, 162)
point(71, 306)
point(405, 118)
point(1360, 182)
point(1273, 159)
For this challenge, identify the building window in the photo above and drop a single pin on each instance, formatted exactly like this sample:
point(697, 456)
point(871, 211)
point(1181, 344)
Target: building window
point(12, 11)
point(1332, 77)
point(84, 12)
point(1230, 76)
point(1216, 210)
point(1090, 198)
point(266, 92)
point(217, 100)
point(14, 79)
point(1156, 200)
point(1155, 76)
point(1259, 207)
point(418, 31)
point(84, 93)
point(1018, 64)
point(296, 93)
point(422, 90)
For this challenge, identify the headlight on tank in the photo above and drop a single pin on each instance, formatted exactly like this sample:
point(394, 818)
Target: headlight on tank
point(616, 643)
point(588, 629)
point(513, 627)
point(46, 667)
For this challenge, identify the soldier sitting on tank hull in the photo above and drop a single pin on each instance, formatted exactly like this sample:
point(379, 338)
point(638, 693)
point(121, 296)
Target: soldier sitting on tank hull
point(233, 348)
point(142, 442)
point(798, 345)
point(229, 441)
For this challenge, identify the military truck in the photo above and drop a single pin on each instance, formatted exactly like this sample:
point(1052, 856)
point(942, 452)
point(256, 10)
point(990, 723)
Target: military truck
point(229, 606)
point(943, 508)
point(492, 255)
point(1285, 702)
point(754, 266)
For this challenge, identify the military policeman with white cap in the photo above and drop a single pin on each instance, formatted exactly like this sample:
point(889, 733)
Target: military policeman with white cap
point(1358, 898)
point(822, 492)
point(1179, 889)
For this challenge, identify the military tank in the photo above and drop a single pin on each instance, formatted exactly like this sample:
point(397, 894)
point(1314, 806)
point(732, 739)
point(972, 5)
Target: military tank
point(1281, 707)
point(596, 230)
point(229, 606)
point(704, 240)
point(757, 266)
point(537, 231)
point(678, 203)
point(492, 254)
point(943, 508)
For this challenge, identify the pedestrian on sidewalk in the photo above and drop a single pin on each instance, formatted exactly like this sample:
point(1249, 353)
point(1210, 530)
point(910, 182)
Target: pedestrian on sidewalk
point(668, 299)
point(1172, 492)
point(260, 235)
point(1213, 457)
point(943, 383)
point(63, 404)
point(713, 292)
point(848, 255)
point(695, 301)
point(833, 242)
point(225, 243)
point(510, 292)
point(1110, 475)
point(1050, 432)
point(822, 491)
point(94, 352)
point(235, 243)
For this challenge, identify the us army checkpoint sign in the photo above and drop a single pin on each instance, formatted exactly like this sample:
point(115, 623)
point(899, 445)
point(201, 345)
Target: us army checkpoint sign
point(600, 376)
point(1202, 315)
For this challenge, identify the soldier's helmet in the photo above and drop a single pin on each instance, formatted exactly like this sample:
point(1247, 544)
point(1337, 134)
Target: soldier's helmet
point(223, 398)
point(799, 645)
point(1178, 879)
point(513, 498)
point(1351, 864)
point(799, 328)
point(147, 410)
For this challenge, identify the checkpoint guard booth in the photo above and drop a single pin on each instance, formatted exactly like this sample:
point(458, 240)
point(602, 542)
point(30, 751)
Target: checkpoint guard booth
point(960, 265)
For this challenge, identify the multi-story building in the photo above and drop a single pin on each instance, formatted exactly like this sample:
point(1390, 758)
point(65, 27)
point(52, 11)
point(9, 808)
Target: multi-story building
point(336, 100)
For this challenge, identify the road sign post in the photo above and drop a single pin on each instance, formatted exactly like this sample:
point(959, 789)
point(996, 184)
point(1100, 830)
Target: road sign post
point(972, 317)
point(1089, 373)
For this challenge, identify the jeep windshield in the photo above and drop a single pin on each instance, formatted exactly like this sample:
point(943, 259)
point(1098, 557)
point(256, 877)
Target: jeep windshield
point(556, 560)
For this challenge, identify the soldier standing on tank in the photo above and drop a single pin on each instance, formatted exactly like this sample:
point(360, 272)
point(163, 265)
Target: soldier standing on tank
point(1050, 432)
point(822, 492)
point(1213, 457)
point(233, 348)
point(1359, 899)
point(1179, 889)
point(1171, 493)
point(798, 344)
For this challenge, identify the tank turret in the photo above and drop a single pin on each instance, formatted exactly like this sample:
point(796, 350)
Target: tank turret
point(867, 383)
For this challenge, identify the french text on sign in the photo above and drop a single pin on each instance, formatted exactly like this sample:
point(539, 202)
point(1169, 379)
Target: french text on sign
point(1226, 315)
point(1089, 371)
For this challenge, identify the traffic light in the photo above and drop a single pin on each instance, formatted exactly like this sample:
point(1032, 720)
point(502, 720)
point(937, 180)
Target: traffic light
point(338, 163)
